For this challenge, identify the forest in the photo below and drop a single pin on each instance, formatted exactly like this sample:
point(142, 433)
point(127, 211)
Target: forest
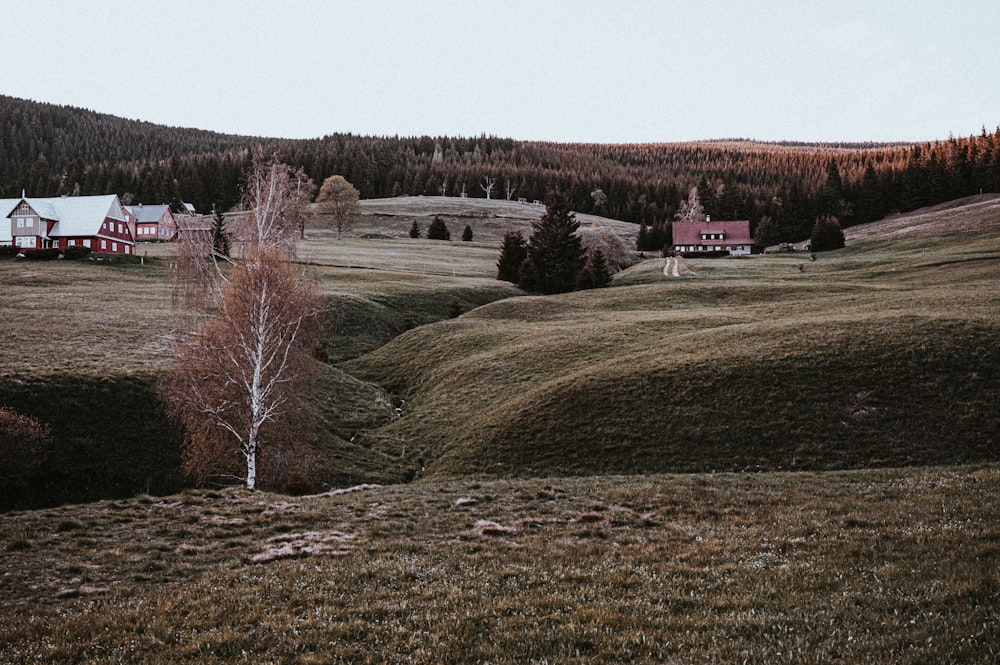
point(50, 150)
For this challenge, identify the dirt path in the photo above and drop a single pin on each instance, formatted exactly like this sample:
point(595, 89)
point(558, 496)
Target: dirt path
point(674, 271)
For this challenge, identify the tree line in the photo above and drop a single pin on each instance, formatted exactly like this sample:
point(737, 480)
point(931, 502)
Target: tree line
point(50, 150)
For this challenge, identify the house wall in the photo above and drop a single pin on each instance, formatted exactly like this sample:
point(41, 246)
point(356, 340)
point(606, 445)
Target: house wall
point(167, 228)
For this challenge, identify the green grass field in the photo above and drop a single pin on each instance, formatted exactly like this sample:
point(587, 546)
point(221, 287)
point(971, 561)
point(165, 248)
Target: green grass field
point(771, 459)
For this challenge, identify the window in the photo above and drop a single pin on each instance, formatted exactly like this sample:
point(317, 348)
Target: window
point(104, 244)
point(120, 229)
point(86, 243)
point(114, 247)
point(127, 250)
point(20, 222)
point(70, 243)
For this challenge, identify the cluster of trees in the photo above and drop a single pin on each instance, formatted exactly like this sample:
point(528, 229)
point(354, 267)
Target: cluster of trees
point(51, 150)
point(553, 259)
point(438, 230)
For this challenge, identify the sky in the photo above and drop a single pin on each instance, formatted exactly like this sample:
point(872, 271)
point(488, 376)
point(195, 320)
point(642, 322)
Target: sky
point(630, 71)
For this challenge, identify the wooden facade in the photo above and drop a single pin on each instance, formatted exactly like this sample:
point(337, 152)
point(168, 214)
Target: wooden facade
point(97, 222)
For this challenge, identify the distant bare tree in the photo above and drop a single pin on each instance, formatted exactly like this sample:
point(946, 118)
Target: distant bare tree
point(236, 386)
point(340, 200)
point(691, 210)
point(509, 189)
point(487, 185)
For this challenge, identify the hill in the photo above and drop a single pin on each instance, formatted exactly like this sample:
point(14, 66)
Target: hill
point(869, 356)
point(51, 150)
point(882, 354)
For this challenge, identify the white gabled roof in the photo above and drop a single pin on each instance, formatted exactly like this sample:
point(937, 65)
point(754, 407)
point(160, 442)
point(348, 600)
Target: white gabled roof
point(78, 215)
point(147, 214)
point(6, 207)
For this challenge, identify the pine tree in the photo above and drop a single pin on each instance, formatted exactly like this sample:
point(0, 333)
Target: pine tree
point(595, 275)
point(220, 237)
point(467, 234)
point(414, 230)
point(438, 230)
point(513, 251)
point(826, 234)
point(555, 253)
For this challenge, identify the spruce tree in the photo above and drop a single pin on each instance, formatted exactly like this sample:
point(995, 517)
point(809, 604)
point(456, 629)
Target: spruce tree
point(512, 254)
point(220, 237)
point(595, 275)
point(414, 230)
point(826, 234)
point(438, 230)
point(554, 249)
point(467, 234)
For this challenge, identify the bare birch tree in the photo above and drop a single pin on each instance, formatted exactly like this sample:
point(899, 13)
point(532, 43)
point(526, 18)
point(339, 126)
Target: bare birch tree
point(236, 386)
point(487, 185)
point(509, 188)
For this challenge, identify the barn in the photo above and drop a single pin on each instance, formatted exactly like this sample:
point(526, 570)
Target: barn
point(97, 222)
point(708, 236)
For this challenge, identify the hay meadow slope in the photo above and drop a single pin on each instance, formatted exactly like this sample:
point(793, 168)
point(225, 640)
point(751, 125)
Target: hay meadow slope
point(881, 354)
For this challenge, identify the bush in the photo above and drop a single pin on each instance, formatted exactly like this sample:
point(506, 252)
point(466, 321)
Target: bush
point(76, 252)
point(454, 308)
point(47, 254)
point(9, 250)
point(467, 234)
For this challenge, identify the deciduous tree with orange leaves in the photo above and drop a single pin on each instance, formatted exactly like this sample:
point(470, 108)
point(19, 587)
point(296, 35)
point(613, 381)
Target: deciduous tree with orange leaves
point(236, 386)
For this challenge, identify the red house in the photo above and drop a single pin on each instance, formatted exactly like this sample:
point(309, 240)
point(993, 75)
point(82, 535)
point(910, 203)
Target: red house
point(708, 236)
point(152, 222)
point(97, 222)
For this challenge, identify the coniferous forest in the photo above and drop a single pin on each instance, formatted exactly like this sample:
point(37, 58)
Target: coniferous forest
point(49, 150)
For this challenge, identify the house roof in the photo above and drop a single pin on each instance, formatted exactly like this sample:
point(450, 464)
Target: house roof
point(734, 232)
point(74, 215)
point(6, 207)
point(147, 214)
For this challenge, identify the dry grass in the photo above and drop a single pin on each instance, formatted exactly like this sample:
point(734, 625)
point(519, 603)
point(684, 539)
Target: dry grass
point(892, 566)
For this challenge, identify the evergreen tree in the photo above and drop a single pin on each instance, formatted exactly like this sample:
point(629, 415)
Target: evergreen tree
point(438, 230)
point(826, 234)
point(513, 251)
point(467, 234)
point(220, 237)
point(414, 230)
point(555, 253)
point(595, 275)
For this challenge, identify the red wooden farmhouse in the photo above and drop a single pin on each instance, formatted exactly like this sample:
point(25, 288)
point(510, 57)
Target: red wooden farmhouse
point(708, 236)
point(151, 222)
point(97, 222)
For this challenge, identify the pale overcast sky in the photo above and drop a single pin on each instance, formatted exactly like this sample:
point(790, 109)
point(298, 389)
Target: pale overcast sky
point(579, 70)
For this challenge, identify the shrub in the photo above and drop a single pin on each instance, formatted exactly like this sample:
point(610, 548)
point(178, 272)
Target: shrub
point(467, 234)
point(46, 254)
point(454, 308)
point(9, 250)
point(76, 252)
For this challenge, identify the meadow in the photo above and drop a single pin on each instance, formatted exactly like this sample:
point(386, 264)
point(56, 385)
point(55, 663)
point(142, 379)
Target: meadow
point(772, 459)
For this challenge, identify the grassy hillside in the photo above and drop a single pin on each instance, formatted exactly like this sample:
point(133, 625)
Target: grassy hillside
point(870, 567)
point(881, 354)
